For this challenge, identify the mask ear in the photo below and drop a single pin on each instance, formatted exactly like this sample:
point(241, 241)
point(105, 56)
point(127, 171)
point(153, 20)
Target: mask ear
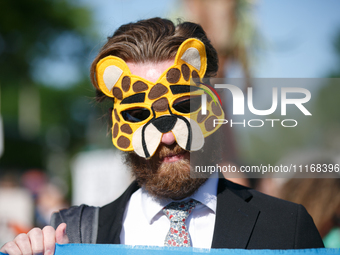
point(192, 52)
point(110, 71)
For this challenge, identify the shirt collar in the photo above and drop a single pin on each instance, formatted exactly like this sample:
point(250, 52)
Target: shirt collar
point(206, 194)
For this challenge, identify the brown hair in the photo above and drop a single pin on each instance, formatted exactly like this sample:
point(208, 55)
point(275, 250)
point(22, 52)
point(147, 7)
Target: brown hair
point(153, 40)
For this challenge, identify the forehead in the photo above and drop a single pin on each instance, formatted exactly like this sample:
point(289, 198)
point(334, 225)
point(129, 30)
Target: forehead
point(150, 71)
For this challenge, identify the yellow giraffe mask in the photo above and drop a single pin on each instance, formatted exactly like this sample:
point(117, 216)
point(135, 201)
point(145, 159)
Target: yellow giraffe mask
point(143, 111)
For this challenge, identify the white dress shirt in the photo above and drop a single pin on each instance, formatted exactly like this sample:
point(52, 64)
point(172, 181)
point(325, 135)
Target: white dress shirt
point(144, 222)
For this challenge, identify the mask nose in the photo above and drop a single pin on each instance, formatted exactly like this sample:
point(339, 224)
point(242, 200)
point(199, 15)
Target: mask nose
point(165, 124)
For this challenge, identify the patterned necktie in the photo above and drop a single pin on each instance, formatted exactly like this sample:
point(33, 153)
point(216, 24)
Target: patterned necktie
point(177, 213)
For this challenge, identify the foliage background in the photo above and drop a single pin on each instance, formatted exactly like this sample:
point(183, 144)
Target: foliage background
point(47, 104)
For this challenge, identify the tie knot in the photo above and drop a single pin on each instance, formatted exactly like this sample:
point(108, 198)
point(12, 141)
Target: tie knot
point(179, 211)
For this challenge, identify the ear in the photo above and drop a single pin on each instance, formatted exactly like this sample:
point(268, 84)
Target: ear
point(192, 52)
point(110, 72)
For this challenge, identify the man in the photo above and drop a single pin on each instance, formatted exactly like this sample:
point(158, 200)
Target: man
point(146, 69)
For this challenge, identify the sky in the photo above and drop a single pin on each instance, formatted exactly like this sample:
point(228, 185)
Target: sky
point(297, 34)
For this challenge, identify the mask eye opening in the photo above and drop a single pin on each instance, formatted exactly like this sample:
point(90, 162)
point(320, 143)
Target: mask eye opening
point(135, 115)
point(187, 104)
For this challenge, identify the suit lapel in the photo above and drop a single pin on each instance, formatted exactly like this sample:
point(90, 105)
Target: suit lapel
point(111, 217)
point(235, 218)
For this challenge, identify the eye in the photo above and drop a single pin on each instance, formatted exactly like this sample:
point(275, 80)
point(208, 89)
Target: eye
point(136, 114)
point(187, 104)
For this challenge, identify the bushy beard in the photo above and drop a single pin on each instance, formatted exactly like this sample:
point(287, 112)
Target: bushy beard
point(162, 179)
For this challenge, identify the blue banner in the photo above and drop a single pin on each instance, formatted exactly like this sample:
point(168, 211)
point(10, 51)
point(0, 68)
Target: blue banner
point(118, 249)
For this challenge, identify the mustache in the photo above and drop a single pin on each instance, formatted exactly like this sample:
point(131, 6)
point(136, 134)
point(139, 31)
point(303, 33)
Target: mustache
point(169, 150)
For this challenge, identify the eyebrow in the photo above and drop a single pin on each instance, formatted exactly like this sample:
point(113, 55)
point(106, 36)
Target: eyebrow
point(136, 98)
point(177, 89)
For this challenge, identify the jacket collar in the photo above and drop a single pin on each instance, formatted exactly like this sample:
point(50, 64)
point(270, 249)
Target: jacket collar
point(235, 217)
point(111, 217)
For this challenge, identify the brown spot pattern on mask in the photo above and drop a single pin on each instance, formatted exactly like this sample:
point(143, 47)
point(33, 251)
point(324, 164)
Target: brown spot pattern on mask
point(185, 72)
point(115, 131)
point(173, 75)
point(126, 81)
point(123, 142)
point(194, 75)
point(117, 92)
point(216, 109)
point(139, 86)
point(157, 91)
point(126, 129)
point(160, 105)
point(209, 124)
point(200, 117)
point(116, 115)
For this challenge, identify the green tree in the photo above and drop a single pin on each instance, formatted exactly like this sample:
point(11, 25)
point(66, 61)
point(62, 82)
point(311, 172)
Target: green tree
point(328, 104)
point(45, 90)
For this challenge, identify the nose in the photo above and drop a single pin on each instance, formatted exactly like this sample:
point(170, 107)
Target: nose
point(165, 124)
point(168, 138)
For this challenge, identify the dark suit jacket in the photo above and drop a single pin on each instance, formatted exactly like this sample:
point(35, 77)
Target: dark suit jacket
point(245, 219)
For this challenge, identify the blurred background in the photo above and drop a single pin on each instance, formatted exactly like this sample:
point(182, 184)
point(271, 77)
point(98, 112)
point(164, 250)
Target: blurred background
point(55, 144)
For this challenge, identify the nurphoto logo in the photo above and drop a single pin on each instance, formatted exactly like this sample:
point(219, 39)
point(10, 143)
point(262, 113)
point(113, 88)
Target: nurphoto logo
point(238, 106)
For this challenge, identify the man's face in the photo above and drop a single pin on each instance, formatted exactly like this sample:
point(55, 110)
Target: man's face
point(148, 103)
point(157, 115)
point(167, 173)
